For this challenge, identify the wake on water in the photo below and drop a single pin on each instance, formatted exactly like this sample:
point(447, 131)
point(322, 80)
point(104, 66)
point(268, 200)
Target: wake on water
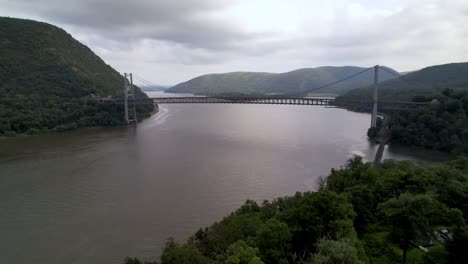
point(158, 118)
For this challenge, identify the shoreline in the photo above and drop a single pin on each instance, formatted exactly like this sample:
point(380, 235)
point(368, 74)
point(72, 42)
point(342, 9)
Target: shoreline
point(2, 137)
point(155, 111)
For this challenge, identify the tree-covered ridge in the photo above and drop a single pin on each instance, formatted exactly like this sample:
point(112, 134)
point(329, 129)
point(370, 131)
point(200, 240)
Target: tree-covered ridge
point(425, 82)
point(442, 125)
point(361, 214)
point(296, 81)
point(45, 77)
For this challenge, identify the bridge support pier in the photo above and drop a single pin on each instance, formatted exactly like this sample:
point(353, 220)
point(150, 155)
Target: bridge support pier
point(374, 101)
point(130, 108)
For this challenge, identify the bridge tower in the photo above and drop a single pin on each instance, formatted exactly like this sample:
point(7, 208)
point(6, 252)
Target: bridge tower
point(374, 101)
point(129, 91)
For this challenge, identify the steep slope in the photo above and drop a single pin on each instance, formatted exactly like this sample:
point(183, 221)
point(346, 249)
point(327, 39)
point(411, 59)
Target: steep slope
point(45, 76)
point(426, 82)
point(290, 82)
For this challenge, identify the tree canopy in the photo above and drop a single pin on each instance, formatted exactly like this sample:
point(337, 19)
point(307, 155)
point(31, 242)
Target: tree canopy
point(362, 214)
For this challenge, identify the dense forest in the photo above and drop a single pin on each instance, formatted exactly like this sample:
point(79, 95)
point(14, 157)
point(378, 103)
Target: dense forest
point(47, 79)
point(294, 82)
point(442, 125)
point(397, 212)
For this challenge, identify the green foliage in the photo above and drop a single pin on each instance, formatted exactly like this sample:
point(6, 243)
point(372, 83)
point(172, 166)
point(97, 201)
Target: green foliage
point(362, 214)
point(378, 249)
point(316, 215)
point(373, 132)
point(342, 251)
point(411, 217)
point(132, 261)
point(137, 261)
point(297, 81)
point(174, 253)
point(363, 201)
point(239, 253)
point(274, 241)
point(437, 255)
point(442, 126)
point(415, 256)
point(355, 172)
point(46, 79)
point(457, 247)
point(215, 240)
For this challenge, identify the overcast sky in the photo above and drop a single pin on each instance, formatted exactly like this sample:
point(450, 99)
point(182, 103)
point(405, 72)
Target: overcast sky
point(170, 41)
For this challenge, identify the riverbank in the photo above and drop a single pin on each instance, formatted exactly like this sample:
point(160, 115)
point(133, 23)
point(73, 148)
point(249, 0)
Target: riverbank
point(52, 131)
point(155, 110)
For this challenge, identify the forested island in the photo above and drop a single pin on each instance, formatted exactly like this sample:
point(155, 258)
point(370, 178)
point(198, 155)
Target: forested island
point(49, 80)
point(398, 212)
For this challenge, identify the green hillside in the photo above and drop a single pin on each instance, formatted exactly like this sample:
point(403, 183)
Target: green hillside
point(46, 76)
point(442, 126)
point(426, 82)
point(290, 82)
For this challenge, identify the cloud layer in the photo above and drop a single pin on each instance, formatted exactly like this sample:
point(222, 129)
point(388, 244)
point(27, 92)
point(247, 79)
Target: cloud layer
point(170, 41)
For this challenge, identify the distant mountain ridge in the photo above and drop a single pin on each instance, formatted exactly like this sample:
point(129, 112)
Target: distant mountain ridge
point(153, 88)
point(296, 81)
point(425, 82)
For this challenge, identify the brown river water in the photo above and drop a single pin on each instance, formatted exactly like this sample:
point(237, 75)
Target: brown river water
point(99, 195)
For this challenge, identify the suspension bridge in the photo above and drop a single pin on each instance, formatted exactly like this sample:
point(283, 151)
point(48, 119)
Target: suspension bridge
point(130, 101)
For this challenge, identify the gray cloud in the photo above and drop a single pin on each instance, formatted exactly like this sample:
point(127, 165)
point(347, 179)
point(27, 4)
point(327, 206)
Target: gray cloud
point(190, 22)
point(178, 39)
point(416, 36)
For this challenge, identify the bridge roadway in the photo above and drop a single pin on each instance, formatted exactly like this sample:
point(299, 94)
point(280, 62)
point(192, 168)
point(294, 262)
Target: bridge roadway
point(273, 100)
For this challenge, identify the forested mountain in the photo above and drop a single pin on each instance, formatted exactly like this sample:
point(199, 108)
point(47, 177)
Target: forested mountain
point(46, 76)
point(426, 82)
point(290, 82)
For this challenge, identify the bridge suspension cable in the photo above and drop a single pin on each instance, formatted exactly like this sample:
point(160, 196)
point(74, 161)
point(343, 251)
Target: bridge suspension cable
point(336, 82)
point(397, 75)
point(390, 72)
point(146, 82)
point(272, 100)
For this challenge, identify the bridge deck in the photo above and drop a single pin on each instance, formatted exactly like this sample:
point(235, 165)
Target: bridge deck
point(262, 100)
point(243, 100)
